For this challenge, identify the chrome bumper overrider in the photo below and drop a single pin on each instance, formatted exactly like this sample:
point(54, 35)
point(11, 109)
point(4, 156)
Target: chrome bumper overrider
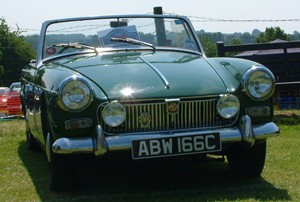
point(100, 144)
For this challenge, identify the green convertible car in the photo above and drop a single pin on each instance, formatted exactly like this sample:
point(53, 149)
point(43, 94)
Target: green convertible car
point(142, 84)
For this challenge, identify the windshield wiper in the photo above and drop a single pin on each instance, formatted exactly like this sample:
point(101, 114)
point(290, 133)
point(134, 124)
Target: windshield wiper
point(73, 45)
point(133, 41)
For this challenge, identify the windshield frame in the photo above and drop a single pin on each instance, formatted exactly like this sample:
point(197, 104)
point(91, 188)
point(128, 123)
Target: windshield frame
point(46, 24)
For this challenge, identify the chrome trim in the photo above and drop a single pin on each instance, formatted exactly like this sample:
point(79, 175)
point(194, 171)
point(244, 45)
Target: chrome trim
point(162, 77)
point(260, 131)
point(73, 145)
point(99, 144)
point(191, 114)
point(62, 84)
point(245, 81)
point(149, 100)
point(48, 148)
point(113, 105)
point(245, 126)
point(237, 102)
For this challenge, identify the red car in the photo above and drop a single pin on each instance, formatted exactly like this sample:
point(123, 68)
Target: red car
point(14, 106)
point(4, 94)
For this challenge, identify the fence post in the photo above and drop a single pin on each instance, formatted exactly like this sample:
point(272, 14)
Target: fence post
point(220, 49)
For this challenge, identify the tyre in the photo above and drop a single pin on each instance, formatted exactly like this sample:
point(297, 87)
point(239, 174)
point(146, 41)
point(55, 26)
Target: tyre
point(61, 170)
point(247, 162)
point(61, 175)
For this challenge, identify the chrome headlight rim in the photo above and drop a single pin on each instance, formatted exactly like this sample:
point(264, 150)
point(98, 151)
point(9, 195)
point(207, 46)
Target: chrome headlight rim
point(75, 106)
point(246, 82)
point(233, 110)
point(114, 120)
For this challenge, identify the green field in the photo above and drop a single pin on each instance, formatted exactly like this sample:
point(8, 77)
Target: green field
point(24, 174)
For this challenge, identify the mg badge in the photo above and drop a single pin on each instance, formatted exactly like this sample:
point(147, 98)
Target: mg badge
point(145, 120)
point(172, 106)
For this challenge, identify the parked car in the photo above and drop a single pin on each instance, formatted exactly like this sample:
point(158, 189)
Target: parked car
point(142, 83)
point(4, 94)
point(14, 106)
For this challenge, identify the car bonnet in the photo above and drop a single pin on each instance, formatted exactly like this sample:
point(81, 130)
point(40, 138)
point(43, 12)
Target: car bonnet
point(152, 75)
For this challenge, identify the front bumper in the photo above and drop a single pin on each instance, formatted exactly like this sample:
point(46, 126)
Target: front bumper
point(101, 144)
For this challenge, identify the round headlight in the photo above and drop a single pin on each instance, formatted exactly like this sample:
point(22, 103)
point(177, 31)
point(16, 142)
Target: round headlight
point(228, 106)
point(259, 83)
point(75, 93)
point(114, 114)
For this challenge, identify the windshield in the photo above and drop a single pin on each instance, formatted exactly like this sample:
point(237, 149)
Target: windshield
point(88, 34)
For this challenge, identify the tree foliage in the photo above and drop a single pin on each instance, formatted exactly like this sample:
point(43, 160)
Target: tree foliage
point(209, 39)
point(209, 45)
point(233, 42)
point(272, 34)
point(14, 54)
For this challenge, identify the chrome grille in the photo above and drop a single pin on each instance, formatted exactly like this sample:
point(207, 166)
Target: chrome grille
point(156, 116)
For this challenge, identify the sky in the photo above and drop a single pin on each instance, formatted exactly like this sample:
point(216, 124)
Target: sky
point(30, 14)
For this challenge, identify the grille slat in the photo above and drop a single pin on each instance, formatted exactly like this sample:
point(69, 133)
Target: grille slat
point(152, 117)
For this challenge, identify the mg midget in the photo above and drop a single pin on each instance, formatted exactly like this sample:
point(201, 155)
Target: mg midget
point(142, 83)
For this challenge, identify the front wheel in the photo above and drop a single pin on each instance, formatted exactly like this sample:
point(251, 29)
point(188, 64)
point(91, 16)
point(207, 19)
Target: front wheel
point(247, 162)
point(61, 170)
point(62, 173)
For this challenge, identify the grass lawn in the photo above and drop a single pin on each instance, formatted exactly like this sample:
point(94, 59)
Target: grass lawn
point(24, 174)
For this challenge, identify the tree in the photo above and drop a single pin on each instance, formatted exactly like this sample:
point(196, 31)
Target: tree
point(272, 34)
point(247, 38)
point(209, 45)
point(256, 33)
point(295, 36)
point(233, 42)
point(14, 54)
point(209, 41)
